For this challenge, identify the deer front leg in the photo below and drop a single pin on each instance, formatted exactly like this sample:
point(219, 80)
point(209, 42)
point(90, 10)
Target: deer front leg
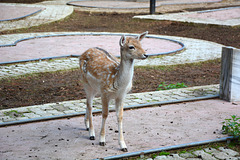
point(105, 102)
point(119, 111)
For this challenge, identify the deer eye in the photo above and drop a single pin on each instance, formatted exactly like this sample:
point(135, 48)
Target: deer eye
point(131, 47)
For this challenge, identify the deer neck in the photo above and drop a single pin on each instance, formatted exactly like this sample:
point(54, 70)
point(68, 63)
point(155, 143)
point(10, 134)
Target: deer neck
point(125, 73)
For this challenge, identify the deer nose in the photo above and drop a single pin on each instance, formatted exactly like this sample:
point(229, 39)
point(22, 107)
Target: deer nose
point(146, 55)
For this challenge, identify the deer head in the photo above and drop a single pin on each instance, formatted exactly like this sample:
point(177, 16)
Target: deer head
point(131, 47)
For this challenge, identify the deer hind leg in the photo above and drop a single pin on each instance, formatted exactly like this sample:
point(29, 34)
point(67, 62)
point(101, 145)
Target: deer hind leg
point(88, 116)
point(105, 103)
point(119, 112)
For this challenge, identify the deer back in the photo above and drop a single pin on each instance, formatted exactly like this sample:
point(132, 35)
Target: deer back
point(98, 68)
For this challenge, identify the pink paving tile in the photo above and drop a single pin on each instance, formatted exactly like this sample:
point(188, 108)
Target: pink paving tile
point(222, 15)
point(187, 1)
point(132, 4)
point(16, 12)
point(76, 45)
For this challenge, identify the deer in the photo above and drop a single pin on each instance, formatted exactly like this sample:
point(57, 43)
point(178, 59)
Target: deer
point(102, 73)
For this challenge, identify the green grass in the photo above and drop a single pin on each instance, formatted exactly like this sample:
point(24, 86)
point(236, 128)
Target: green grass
point(163, 153)
point(13, 114)
point(231, 127)
point(164, 86)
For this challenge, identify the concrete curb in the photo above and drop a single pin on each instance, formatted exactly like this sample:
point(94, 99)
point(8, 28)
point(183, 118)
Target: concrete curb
point(77, 107)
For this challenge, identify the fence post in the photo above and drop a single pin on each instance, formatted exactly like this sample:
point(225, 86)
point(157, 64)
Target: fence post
point(152, 6)
point(230, 74)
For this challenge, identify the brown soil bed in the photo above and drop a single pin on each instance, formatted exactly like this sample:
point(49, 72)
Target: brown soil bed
point(65, 85)
point(115, 22)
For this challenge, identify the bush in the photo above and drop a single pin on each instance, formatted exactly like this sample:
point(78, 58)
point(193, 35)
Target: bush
point(232, 127)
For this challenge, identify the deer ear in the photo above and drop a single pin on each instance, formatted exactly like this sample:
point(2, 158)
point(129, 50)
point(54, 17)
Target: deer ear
point(141, 36)
point(122, 41)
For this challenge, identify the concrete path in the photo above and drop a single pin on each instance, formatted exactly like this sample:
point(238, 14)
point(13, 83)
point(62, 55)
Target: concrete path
point(224, 16)
point(146, 128)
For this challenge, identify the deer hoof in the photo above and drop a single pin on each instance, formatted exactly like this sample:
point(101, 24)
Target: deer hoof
point(124, 149)
point(102, 143)
point(92, 138)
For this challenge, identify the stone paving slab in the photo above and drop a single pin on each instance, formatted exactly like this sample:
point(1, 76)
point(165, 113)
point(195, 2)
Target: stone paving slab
point(224, 16)
point(131, 101)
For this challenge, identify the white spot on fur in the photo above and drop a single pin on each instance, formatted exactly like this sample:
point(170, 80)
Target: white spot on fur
point(84, 68)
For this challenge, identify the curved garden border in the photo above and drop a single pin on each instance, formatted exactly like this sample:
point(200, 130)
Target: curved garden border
point(88, 34)
point(50, 13)
point(78, 5)
point(157, 5)
point(27, 15)
point(196, 51)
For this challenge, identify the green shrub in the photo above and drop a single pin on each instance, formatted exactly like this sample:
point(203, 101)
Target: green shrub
point(232, 127)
